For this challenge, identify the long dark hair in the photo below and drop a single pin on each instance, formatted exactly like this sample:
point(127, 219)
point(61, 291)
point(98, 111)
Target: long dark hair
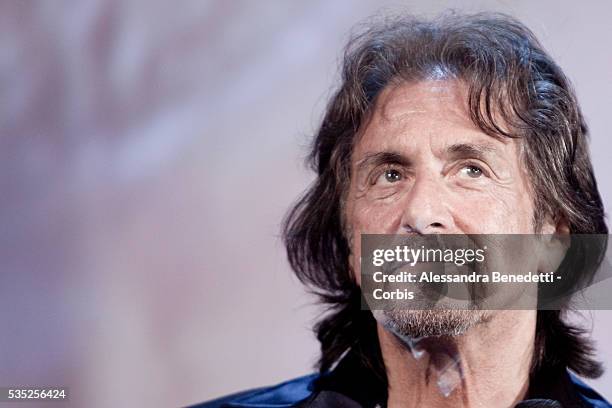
point(514, 90)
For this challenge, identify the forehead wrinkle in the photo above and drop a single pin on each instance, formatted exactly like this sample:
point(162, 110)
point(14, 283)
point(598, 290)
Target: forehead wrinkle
point(394, 109)
point(398, 105)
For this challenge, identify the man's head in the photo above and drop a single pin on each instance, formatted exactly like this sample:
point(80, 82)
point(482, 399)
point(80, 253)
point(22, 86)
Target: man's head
point(420, 166)
point(457, 125)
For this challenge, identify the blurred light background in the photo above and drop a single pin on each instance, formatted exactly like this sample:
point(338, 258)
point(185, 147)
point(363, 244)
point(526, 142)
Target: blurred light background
point(149, 150)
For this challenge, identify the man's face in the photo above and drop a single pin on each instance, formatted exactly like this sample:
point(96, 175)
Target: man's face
point(421, 166)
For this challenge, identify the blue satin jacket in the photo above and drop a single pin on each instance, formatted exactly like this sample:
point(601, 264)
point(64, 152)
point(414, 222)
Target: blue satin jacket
point(350, 385)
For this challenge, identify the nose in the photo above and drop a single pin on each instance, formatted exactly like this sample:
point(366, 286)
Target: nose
point(425, 209)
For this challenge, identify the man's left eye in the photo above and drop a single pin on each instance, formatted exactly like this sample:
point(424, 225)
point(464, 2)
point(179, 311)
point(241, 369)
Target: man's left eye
point(472, 171)
point(392, 175)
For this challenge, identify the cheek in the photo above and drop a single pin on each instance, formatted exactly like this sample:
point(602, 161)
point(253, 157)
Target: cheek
point(498, 211)
point(369, 217)
point(376, 217)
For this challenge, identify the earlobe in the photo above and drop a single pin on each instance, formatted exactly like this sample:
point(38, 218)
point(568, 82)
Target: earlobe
point(352, 270)
point(562, 226)
point(557, 241)
point(557, 225)
point(555, 249)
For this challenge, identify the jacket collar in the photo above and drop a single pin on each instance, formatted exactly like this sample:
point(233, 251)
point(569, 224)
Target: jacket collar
point(353, 380)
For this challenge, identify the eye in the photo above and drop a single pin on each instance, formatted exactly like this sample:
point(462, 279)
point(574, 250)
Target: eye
point(472, 171)
point(392, 175)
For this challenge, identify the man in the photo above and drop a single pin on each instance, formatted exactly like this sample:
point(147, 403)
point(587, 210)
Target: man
point(460, 125)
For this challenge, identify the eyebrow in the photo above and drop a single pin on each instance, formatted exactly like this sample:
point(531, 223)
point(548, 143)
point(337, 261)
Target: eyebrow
point(470, 150)
point(379, 158)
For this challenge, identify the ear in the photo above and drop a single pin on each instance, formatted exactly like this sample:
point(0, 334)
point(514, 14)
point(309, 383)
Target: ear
point(556, 240)
point(354, 257)
point(353, 270)
point(556, 225)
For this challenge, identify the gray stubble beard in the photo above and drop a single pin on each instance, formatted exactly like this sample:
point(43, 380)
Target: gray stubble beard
point(429, 323)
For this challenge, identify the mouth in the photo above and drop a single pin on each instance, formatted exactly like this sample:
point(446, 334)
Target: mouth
point(429, 291)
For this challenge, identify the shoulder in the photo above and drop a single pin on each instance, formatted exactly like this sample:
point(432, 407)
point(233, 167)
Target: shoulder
point(294, 392)
point(286, 394)
point(589, 395)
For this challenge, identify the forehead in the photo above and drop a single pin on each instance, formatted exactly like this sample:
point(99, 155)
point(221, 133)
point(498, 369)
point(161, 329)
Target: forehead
point(434, 97)
point(434, 113)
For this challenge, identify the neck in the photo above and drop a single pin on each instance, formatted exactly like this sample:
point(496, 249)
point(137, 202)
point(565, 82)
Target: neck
point(493, 360)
